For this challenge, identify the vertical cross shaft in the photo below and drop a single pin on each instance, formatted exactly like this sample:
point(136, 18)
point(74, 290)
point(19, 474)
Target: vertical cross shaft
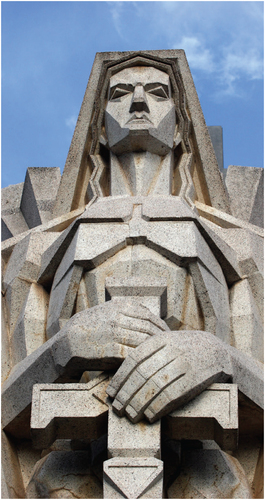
point(134, 469)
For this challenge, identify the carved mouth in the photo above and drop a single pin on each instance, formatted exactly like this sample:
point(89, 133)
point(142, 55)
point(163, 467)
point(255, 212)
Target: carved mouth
point(139, 119)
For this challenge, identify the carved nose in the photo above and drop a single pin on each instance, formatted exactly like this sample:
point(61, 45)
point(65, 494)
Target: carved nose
point(139, 101)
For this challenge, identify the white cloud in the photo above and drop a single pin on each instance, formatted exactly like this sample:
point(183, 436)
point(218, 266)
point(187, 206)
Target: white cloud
point(198, 56)
point(71, 122)
point(116, 9)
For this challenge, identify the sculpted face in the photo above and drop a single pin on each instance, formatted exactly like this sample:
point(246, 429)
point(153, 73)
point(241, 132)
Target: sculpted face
point(140, 113)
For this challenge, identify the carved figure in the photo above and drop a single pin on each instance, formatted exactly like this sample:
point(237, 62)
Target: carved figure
point(143, 279)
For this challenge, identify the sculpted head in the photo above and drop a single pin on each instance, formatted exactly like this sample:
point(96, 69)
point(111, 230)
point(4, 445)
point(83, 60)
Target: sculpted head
point(140, 114)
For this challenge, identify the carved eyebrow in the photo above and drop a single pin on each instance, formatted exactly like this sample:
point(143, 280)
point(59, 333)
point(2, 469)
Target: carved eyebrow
point(160, 88)
point(123, 87)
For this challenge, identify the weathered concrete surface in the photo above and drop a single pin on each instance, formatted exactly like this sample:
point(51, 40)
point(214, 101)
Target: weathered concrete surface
point(245, 187)
point(133, 478)
point(141, 209)
point(210, 474)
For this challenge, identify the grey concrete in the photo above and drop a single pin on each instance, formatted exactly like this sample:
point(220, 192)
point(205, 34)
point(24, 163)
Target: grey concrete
point(39, 193)
point(245, 186)
point(212, 415)
point(71, 411)
point(216, 135)
point(133, 478)
point(13, 222)
point(68, 474)
point(212, 474)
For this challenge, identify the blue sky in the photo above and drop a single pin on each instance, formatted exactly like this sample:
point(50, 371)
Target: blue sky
point(48, 50)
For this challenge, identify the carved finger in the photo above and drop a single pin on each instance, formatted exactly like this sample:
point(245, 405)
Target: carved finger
point(137, 356)
point(138, 378)
point(153, 387)
point(180, 392)
point(141, 312)
point(137, 324)
point(130, 338)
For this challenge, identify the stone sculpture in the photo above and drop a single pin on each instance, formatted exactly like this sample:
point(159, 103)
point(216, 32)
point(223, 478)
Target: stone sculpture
point(132, 336)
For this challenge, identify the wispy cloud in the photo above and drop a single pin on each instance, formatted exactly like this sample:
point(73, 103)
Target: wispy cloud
point(198, 55)
point(71, 122)
point(117, 10)
point(222, 40)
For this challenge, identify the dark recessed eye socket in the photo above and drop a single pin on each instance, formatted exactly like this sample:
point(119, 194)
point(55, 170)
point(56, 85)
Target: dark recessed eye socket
point(117, 93)
point(158, 92)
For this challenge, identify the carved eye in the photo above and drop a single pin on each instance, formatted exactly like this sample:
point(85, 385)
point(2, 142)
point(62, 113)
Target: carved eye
point(158, 92)
point(118, 93)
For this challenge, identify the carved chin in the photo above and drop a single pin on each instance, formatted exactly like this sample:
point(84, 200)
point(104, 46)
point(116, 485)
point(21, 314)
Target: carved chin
point(141, 137)
point(141, 140)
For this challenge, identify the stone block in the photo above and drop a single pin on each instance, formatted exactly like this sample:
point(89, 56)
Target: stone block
point(39, 193)
point(139, 260)
point(64, 474)
point(216, 135)
point(223, 252)
point(248, 246)
point(152, 178)
point(182, 243)
point(115, 209)
point(213, 415)
point(25, 260)
point(246, 323)
point(91, 245)
point(29, 332)
point(72, 411)
point(133, 478)
point(245, 187)
point(62, 300)
point(5, 343)
point(82, 298)
point(15, 296)
point(68, 355)
point(132, 440)
point(52, 257)
point(13, 222)
point(213, 297)
point(248, 374)
point(210, 474)
point(150, 292)
point(166, 208)
point(224, 220)
point(12, 482)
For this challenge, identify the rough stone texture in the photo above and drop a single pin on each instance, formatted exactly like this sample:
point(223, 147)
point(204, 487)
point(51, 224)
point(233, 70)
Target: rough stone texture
point(225, 220)
point(39, 193)
point(62, 300)
point(12, 481)
point(245, 187)
point(142, 216)
point(216, 135)
point(64, 475)
point(213, 415)
point(210, 474)
point(133, 478)
point(128, 440)
point(246, 323)
point(29, 332)
point(71, 193)
point(93, 346)
point(13, 221)
point(61, 411)
point(173, 375)
point(150, 292)
point(5, 348)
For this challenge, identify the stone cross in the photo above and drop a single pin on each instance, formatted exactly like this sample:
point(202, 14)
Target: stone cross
point(83, 411)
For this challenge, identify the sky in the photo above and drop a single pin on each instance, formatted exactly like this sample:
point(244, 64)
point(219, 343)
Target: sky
point(48, 49)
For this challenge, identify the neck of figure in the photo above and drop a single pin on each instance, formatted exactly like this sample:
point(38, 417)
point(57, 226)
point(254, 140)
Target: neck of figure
point(141, 173)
